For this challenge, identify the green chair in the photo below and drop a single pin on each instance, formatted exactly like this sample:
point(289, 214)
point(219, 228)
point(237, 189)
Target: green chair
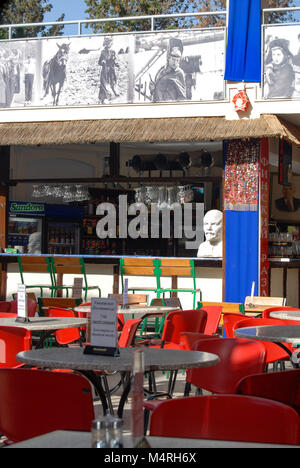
point(170, 267)
point(227, 307)
point(36, 264)
point(70, 265)
point(64, 302)
point(138, 267)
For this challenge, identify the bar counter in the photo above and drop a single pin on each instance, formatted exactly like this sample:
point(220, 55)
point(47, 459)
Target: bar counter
point(6, 258)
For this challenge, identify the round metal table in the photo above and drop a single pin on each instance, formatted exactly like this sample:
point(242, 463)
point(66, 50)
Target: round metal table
point(154, 360)
point(135, 311)
point(277, 334)
point(286, 314)
point(46, 325)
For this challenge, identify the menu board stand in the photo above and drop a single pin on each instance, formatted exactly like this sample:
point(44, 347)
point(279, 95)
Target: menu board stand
point(22, 304)
point(125, 304)
point(105, 351)
point(103, 328)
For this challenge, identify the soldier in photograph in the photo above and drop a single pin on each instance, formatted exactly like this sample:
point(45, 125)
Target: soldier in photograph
point(108, 76)
point(169, 83)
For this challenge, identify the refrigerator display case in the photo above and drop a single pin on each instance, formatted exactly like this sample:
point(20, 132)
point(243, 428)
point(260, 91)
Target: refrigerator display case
point(63, 229)
point(25, 227)
point(41, 228)
point(63, 238)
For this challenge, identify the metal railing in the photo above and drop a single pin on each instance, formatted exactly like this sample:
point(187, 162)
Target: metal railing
point(278, 10)
point(152, 21)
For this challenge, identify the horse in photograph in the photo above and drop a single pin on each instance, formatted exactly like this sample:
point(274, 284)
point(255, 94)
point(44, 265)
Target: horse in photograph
point(54, 72)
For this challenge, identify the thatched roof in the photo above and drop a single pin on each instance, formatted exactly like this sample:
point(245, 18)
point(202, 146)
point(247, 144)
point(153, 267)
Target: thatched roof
point(179, 129)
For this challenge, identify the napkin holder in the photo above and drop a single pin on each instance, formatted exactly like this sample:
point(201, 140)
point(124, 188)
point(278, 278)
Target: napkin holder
point(101, 351)
point(22, 319)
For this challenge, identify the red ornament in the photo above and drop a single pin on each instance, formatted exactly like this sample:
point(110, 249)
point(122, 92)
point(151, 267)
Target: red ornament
point(240, 101)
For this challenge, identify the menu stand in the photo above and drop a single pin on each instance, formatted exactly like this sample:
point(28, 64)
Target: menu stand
point(22, 319)
point(101, 351)
point(103, 328)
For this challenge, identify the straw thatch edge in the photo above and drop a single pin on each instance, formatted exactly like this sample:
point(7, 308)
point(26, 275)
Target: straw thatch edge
point(179, 129)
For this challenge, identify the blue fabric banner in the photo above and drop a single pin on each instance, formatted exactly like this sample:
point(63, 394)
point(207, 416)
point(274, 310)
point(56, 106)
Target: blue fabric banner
point(241, 254)
point(243, 57)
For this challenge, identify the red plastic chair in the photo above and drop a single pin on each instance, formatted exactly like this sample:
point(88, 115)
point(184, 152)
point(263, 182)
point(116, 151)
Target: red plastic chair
point(188, 339)
point(67, 335)
point(274, 352)
point(13, 340)
point(227, 417)
point(7, 315)
point(213, 319)
point(178, 322)
point(11, 307)
point(35, 402)
point(128, 333)
point(238, 357)
point(4, 306)
point(283, 386)
point(229, 320)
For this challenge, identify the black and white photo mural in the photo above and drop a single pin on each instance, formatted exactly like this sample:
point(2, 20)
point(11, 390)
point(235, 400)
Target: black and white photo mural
point(115, 69)
point(282, 62)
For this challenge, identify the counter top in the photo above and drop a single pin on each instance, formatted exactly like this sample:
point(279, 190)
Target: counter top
point(114, 259)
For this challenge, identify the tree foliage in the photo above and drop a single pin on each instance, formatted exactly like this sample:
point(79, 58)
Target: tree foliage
point(27, 11)
point(120, 8)
point(98, 9)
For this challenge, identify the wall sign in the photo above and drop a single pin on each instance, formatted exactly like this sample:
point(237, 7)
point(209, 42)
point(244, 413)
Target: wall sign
point(26, 208)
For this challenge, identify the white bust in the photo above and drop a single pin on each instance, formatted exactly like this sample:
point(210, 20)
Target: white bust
point(212, 226)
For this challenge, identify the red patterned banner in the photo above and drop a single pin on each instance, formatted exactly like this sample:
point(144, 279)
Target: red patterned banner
point(264, 218)
point(241, 186)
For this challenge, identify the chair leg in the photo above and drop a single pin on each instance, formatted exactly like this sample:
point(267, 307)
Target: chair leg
point(187, 389)
point(146, 420)
point(107, 392)
point(172, 382)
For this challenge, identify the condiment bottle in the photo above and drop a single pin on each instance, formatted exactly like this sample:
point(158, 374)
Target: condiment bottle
point(99, 433)
point(116, 433)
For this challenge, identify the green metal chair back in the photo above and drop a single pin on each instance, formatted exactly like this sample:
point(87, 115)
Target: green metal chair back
point(138, 267)
point(36, 264)
point(70, 265)
point(168, 267)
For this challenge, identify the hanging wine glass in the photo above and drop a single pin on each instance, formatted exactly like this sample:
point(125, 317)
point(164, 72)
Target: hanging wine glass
point(148, 195)
point(58, 191)
point(79, 193)
point(86, 193)
point(180, 196)
point(161, 202)
point(48, 191)
point(189, 194)
point(170, 197)
point(154, 194)
point(68, 195)
point(36, 193)
point(138, 196)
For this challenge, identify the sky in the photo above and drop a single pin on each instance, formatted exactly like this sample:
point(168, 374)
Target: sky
point(73, 9)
